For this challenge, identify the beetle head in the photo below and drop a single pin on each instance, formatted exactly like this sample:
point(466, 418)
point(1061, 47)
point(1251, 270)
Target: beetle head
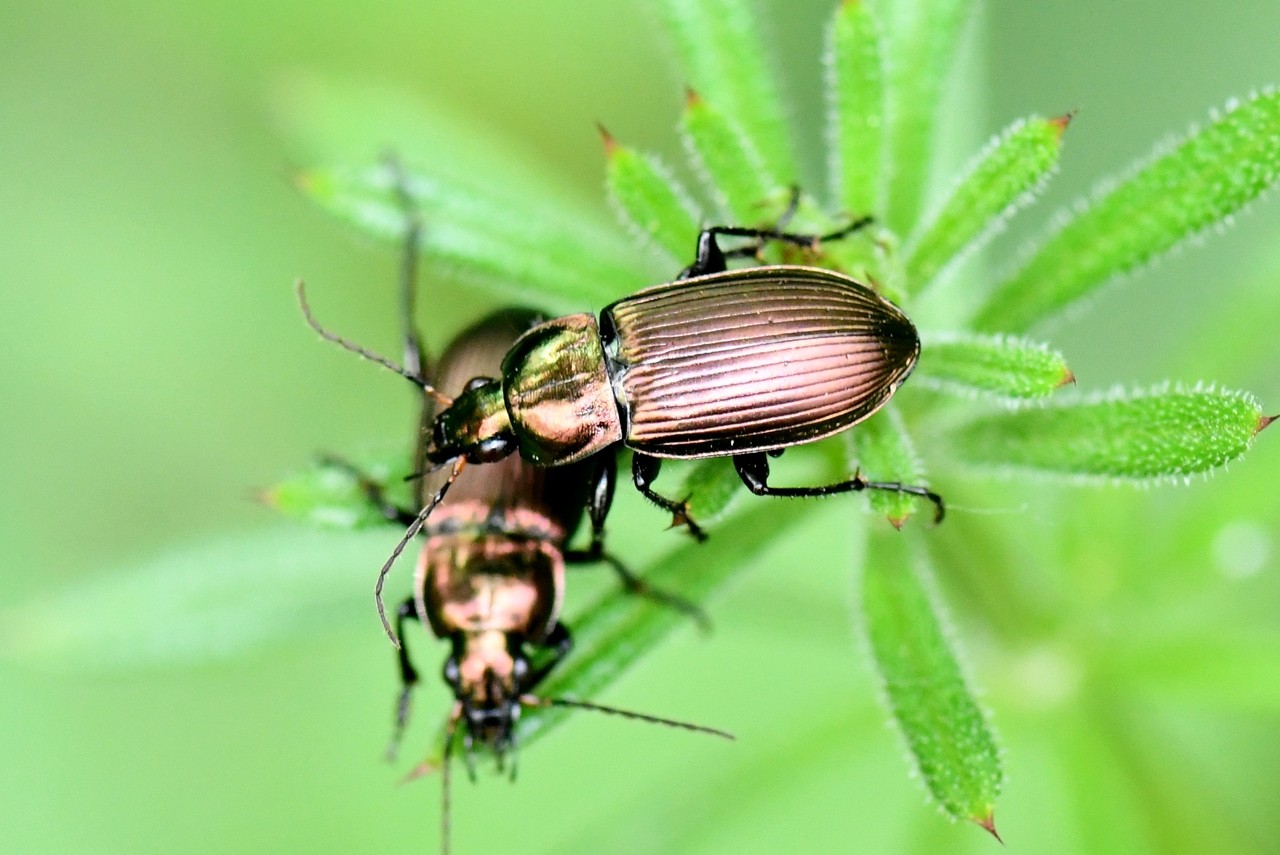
point(487, 671)
point(474, 426)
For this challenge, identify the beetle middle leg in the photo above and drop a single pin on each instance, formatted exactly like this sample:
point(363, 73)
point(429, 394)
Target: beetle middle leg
point(644, 470)
point(598, 505)
point(753, 469)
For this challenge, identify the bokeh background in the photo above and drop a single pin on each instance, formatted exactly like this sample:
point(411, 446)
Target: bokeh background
point(156, 371)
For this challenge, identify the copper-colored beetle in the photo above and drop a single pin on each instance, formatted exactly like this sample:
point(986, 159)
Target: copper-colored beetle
point(719, 363)
point(737, 363)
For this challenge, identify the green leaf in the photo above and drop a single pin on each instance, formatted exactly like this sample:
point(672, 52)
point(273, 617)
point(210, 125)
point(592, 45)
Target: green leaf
point(1209, 176)
point(1139, 436)
point(712, 485)
point(855, 92)
point(1000, 366)
point(1007, 176)
point(724, 58)
point(620, 628)
point(733, 168)
point(944, 728)
point(920, 40)
point(331, 496)
point(882, 451)
point(650, 201)
point(510, 247)
point(205, 601)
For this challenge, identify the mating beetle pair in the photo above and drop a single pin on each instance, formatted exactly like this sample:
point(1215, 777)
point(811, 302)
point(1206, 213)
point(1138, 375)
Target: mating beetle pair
point(491, 574)
point(737, 363)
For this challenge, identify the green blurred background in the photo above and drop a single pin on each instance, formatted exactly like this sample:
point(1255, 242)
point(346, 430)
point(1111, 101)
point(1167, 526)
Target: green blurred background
point(157, 371)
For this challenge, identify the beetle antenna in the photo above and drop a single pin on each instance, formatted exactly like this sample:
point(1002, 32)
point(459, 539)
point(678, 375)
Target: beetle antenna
point(333, 337)
point(533, 701)
point(410, 533)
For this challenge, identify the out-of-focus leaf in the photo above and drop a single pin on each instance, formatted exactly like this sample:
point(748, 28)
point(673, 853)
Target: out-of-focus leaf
point(855, 93)
point(207, 601)
point(1209, 176)
point(511, 248)
point(726, 61)
point(919, 41)
point(651, 201)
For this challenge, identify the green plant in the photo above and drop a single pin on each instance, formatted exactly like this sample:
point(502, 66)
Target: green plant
point(484, 234)
point(734, 130)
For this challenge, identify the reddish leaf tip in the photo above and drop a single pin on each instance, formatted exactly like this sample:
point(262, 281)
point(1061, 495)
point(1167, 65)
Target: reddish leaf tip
point(606, 138)
point(1061, 122)
point(269, 496)
point(691, 98)
point(1263, 421)
point(988, 824)
point(1068, 378)
point(898, 522)
point(426, 767)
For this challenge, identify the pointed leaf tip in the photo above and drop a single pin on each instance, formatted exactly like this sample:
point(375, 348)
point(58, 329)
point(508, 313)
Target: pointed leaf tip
point(1263, 421)
point(610, 144)
point(1061, 122)
point(1068, 379)
point(691, 98)
point(988, 824)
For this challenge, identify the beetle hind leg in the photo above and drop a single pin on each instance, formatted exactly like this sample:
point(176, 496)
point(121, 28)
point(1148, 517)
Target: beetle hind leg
point(753, 469)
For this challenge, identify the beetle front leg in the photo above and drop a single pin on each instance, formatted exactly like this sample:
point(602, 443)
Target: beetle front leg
point(710, 258)
point(408, 677)
point(753, 469)
point(644, 470)
point(372, 489)
point(560, 642)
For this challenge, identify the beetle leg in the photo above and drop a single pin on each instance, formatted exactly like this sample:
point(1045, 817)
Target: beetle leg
point(710, 258)
point(753, 469)
point(372, 489)
point(598, 508)
point(644, 470)
point(559, 641)
point(408, 678)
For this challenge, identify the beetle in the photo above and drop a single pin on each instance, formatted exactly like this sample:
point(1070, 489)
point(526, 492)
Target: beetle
point(740, 363)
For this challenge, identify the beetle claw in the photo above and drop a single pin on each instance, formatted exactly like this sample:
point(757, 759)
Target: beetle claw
point(680, 517)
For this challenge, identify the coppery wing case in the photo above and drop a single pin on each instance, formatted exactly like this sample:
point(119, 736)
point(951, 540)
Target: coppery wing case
point(753, 360)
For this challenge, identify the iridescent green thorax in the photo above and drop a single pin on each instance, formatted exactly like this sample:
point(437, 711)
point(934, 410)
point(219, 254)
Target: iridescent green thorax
point(558, 393)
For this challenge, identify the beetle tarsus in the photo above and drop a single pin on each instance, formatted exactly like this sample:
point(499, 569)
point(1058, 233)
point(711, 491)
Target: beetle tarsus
point(753, 469)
